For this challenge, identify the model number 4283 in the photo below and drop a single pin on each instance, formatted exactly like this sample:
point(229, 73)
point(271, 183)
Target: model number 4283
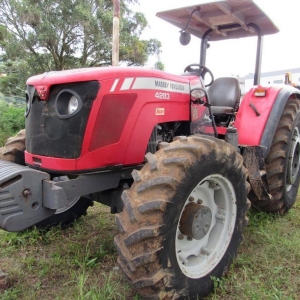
point(160, 95)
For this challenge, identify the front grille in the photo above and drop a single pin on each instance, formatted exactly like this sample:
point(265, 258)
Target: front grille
point(49, 135)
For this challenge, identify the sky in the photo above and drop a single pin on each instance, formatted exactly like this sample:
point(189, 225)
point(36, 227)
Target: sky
point(281, 51)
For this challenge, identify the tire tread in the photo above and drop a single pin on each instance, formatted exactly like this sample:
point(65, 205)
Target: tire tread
point(276, 161)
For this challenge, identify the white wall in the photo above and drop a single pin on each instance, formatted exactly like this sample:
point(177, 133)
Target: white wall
point(269, 80)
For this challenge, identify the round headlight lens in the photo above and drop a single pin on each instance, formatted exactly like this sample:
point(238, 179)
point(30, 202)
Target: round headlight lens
point(73, 104)
point(68, 103)
point(28, 105)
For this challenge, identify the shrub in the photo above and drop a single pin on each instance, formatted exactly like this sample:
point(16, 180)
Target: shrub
point(11, 120)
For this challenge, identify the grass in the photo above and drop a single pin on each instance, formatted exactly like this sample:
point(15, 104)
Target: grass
point(76, 263)
point(268, 264)
point(80, 262)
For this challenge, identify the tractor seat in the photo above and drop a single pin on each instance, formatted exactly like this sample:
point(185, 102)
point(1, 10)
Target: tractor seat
point(224, 95)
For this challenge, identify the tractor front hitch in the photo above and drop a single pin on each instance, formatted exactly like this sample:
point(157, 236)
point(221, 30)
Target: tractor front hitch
point(28, 196)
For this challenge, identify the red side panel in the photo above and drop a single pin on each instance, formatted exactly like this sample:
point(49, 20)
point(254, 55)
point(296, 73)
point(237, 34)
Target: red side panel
point(155, 102)
point(111, 119)
point(250, 125)
point(145, 122)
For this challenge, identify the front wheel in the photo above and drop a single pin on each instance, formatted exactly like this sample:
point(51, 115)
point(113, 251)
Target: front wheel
point(183, 218)
point(66, 216)
point(63, 217)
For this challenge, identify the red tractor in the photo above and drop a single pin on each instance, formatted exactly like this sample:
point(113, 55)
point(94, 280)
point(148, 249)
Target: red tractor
point(181, 208)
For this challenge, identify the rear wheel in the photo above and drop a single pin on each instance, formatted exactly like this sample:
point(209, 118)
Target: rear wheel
point(183, 218)
point(283, 161)
point(13, 151)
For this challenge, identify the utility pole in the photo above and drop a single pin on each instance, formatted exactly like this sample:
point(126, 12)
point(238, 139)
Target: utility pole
point(116, 33)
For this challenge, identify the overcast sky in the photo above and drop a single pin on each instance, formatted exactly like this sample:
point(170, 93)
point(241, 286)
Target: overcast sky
point(281, 51)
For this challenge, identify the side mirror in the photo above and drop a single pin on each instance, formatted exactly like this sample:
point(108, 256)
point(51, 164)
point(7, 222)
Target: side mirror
point(185, 38)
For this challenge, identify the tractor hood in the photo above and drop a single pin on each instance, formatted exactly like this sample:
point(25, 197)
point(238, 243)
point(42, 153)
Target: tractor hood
point(79, 75)
point(227, 19)
point(43, 82)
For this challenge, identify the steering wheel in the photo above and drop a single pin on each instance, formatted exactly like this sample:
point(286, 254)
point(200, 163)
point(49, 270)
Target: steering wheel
point(201, 70)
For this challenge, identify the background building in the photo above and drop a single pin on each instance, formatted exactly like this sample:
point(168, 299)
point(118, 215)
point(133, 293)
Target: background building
point(269, 78)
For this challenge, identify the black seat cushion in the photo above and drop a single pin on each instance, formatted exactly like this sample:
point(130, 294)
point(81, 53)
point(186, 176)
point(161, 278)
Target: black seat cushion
point(222, 110)
point(224, 95)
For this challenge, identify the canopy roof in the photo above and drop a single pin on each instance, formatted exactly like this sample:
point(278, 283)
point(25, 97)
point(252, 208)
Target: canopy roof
point(220, 16)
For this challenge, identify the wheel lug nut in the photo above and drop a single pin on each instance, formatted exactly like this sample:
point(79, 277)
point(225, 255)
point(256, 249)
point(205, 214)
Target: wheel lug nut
point(211, 184)
point(199, 201)
point(180, 236)
point(189, 238)
point(191, 199)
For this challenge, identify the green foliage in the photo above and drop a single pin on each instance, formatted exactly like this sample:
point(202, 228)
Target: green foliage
point(11, 120)
point(67, 34)
point(267, 266)
point(110, 289)
point(41, 36)
point(159, 66)
point(12, 81)
point(82, 258)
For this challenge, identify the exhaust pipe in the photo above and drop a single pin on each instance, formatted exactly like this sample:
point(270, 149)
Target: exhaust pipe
point(116, 33)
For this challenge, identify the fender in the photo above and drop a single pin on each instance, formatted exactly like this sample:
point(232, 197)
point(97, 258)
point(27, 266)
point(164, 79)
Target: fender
point(286, 93)
point(261, 115)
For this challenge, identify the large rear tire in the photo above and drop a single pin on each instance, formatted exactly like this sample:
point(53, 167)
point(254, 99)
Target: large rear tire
point(183, 218)
point(13, 151)
point(283, 162)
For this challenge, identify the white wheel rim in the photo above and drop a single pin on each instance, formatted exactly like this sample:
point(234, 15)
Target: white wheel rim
point(197, 258)
point(293, 160)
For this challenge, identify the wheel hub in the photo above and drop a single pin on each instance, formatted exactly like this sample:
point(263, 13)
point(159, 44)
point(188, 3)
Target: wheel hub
point(195, 221)
point(205, 226)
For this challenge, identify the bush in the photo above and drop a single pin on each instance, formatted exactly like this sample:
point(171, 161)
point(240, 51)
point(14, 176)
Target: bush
point(11, 120)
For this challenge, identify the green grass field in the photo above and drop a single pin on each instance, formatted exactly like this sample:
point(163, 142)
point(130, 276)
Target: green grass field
point(80, 262)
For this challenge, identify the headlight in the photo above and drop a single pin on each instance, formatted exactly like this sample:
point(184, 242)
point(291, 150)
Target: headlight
point(67, 103)
point(73, 105)
point(28, 105)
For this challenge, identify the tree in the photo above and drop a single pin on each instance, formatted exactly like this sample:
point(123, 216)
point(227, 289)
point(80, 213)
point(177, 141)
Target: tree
point(57, 35)
point(13, 75)
point(159, 65)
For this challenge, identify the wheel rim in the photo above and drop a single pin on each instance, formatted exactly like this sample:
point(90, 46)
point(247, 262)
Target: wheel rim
point(71, 202)
point(205, 226)
point(293, 159)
